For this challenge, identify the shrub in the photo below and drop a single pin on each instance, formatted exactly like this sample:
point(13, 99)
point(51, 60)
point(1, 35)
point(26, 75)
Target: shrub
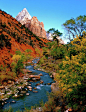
point(28, 50)
point(18, 52)
point(3, 25)
point(23, 26)
point(9, 23)
point(72, 76)
point(4, 41)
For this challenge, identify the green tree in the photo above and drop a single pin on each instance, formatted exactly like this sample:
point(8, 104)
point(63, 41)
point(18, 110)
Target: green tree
point(55, 34)
point(18, 52)
point(17, 64)
point(28, 50)
point(19, 67)
point(75, 26)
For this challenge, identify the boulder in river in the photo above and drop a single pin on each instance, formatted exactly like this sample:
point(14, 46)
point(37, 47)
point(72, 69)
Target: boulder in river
point(37, 77)
point(41, 82)
point(37, 84)
point(40, 74)
point(35, 91)
point(48, 83)
point(27, 94)
point(34, 88)
point(13, 101)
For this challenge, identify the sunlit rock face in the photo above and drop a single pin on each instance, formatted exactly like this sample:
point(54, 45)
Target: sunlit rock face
point(32, 23)
point(23, 15)
point(60, 40)
point(49, 36)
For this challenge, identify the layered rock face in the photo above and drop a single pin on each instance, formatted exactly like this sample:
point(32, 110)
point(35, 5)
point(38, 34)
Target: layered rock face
point(32, 23)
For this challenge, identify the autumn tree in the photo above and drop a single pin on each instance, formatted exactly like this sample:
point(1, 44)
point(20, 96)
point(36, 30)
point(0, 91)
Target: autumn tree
point(17, 64)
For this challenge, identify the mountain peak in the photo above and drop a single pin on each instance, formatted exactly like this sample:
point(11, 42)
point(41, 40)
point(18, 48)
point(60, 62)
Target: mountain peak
point(25, 9)
point(23, 15)
point(31, 23)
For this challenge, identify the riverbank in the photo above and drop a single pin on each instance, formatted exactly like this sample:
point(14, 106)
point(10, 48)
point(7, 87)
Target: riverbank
point(14, 88)
point(38, 83)
point(58, 103)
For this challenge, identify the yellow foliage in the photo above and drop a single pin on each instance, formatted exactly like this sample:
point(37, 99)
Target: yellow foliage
point(79, 83)
point(38, 51)
point(69, 90)
point(62, 84)
point(16, 57)
point(64, 89)
point(67, 58)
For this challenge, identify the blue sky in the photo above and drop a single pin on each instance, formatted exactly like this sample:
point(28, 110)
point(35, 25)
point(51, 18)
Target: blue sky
point(53, 13)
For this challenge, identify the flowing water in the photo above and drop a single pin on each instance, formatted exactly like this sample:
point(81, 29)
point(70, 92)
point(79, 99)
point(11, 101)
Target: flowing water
point(33, 98)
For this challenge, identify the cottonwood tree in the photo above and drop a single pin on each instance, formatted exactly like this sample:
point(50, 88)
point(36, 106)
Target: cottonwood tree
point(75, 26)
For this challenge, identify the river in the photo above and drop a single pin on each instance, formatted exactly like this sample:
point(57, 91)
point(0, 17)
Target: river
point(33, 98)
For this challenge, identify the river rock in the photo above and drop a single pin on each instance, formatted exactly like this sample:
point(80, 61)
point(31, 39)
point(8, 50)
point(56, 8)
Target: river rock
point(57, 109)
point(16, 96)
point(33, 110)
point(27, 71)
point(34, 88)
point(9, 82)
point(13, 82)
point(29, 84)
point(33, 79)
point(41, 82)
point(2, 87)
point(26, 83)
point(9, 93)
point(27, 94)
point(29, 87)
point(22, 92)
point(13, 101)
point(2, 93)
point(48, 83)
point(37, 77)
point(37, 84)
point(21, 95)
point(39, 109)
point(20, 87)
point(53, 74)
point(40, 74)
point(35, 91)
point(54, 87)
point(2, 103)
point(26, 78)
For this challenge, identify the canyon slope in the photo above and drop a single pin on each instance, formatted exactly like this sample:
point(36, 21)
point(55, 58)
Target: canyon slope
point(32, 23)
point(14, 36)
